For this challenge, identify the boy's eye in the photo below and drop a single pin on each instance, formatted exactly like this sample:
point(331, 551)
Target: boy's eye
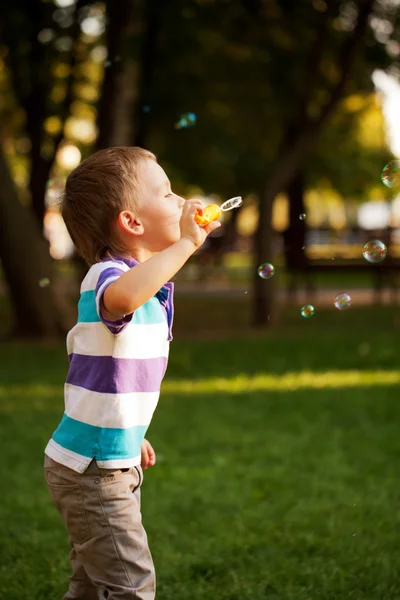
point(169, 194)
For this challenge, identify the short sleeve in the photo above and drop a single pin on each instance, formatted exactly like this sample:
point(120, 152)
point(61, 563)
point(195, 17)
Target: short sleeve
point(106, 278)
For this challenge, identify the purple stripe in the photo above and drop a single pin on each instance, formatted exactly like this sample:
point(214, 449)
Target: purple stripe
point(107, 274)
point(113, 326)
point(109, 375)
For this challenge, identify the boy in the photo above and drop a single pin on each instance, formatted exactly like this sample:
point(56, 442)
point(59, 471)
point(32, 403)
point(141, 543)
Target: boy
point(135, 234)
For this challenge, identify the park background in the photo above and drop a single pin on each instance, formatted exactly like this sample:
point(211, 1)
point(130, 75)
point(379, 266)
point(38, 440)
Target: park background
point(277, 437)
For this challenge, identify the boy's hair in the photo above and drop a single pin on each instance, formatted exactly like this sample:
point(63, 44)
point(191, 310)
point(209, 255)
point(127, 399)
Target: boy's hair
point(95, 192)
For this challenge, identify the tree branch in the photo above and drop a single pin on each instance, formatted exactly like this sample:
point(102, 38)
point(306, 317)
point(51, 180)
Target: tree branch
point(346, 58)
point(313, 65)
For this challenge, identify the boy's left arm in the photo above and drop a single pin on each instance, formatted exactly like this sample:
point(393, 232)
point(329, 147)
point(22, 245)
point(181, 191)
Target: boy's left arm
point(148, 455)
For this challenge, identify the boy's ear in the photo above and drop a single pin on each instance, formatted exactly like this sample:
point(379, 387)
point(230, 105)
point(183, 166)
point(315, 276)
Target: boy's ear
point(129, 222)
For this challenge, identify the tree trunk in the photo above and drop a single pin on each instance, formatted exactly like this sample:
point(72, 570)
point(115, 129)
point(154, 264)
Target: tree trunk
point(151, 22)
point(40, 171)
point(263, 290)
point(26, 262)
point(294, 150)
point(119, 89)
point(294, 236)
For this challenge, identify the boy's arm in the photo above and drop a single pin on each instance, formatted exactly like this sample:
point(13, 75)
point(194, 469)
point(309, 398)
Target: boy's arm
point(142, 282)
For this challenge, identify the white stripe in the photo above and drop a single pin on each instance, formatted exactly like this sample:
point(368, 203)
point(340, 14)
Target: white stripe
point(120, 463)
point(92, 276)
point(141, 341)
point(120, 411)
point(80, 463)
point(66, 457)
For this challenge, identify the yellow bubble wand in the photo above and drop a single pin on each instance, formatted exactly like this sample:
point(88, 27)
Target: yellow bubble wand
point(212, 212)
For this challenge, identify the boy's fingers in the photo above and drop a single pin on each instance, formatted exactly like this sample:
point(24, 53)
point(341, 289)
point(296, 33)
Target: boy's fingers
point(152, 456)
point(194, 206)
point(212, 226)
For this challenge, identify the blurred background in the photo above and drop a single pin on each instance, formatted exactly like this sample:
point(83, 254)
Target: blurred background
point(282, 481)
point(291, 105)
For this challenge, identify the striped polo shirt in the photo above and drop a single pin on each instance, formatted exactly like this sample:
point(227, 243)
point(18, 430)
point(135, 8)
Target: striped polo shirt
point(114, 377)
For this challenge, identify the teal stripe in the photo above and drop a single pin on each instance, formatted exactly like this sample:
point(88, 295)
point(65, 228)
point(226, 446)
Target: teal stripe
point(105, 443)
point(87, 312)
point(149, 314)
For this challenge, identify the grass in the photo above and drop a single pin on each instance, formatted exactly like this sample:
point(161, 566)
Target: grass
point(277, 474)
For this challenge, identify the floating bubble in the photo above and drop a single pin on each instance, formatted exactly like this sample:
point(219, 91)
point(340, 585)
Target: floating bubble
point(186, 120)
point(374, 251)
point(307, 311)
point(232, 203)
point(45, 36)
point(342, 301)
point(44, 282)
point(266, 270)
point(302, 216)
point(391, 174)
point(146, 108)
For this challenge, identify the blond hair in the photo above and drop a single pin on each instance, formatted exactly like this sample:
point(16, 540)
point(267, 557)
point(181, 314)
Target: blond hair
point(95, 192)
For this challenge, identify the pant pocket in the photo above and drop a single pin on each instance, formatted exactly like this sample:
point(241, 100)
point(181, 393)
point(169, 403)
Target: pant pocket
point(140, 474)
point(68, 500)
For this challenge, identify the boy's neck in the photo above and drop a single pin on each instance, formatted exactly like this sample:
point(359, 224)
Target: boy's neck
point(140, 255)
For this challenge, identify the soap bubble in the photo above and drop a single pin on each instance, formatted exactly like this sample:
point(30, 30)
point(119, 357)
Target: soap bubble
point(391, 174)
point(186, 120)
point(374, 251)
point(342, 301)
point(44, 282)
point(302, 216)
point(232, 203)
point(266, 270)
point(307, 311)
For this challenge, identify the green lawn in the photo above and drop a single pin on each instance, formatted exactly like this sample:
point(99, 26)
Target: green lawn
point(278, 464)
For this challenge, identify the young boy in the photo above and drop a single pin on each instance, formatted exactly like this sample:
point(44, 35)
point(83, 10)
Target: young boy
point(135, 234)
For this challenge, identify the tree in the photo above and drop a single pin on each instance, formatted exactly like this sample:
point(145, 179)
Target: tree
point(303, 129)
point(264, 87)
point(29, 26)
point(50, 77)
point(26, 263)
point(349, 154)
point(42, 79)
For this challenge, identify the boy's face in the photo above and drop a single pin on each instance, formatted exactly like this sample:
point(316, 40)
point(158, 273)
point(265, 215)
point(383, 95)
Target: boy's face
point(160, 209)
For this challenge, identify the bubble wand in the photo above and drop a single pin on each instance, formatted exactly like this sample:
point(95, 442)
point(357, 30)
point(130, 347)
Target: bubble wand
point(212, 212)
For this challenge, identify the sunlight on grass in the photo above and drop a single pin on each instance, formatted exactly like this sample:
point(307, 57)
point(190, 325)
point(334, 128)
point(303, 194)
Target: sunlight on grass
point(289, 381)
point(239, 384)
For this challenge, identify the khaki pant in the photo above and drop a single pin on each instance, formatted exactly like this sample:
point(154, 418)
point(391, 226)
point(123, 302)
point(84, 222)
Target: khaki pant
point(100, 508)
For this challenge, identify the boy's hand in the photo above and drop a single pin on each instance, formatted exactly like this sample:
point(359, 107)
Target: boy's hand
point(148, 455)
point(189, 228)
